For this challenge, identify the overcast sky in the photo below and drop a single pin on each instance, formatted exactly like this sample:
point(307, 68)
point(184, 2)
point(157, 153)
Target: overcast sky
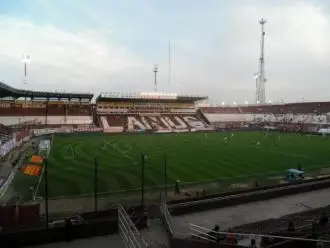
point(106, 45)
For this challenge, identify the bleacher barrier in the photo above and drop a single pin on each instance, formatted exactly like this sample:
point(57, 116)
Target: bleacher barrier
point(19, 215)
point(242, 239)
point(28, 215)
point(128, 231)
point(7, 216)
point(166, 214)
point(46, 131)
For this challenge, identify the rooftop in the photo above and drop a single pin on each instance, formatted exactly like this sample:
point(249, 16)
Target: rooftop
point(8, 91)
point(147, 96)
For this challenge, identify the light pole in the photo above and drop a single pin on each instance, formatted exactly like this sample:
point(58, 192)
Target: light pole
point(26, 59)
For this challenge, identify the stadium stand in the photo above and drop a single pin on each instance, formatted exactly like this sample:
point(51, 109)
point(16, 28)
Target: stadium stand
point(21, 107)
point(148, 112)
point(309, 116)
point(312, 222)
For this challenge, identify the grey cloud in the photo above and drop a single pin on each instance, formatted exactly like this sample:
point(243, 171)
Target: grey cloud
point(297, 57)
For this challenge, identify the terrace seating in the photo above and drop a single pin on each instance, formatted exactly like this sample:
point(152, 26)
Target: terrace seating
point(113, 123)
point(301, 221)
point(221, 110)
point(296, 113)
point(53, 114)
point(5, 133)
point(22, 111)
point(77, 110)
point(152, 121)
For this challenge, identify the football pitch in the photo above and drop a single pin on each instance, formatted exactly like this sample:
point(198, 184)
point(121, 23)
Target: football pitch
point(192, 158)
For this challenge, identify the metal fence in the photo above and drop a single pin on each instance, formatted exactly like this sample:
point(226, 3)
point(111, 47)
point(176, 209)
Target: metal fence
point(243, 239)
point(128, 231)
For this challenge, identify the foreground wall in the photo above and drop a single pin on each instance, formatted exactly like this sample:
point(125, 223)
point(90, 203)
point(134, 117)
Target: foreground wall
point(95, 224)
point(51, 120)
point(178, 241)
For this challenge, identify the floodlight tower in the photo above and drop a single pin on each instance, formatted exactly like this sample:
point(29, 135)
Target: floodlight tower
point(260, 89)
point(256, 77)
point(26, 59)
point(155, 72)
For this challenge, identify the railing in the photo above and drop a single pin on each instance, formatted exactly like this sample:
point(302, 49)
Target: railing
point(128, 231)
point(203, 233)
point(166, 214)
point(206, 234)
point(256, 192)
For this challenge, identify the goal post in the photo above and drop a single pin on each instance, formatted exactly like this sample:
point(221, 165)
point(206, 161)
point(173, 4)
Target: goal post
point(44, 147)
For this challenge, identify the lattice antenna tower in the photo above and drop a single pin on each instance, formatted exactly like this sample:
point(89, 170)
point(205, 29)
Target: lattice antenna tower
point(155, 72)
point(260, 76)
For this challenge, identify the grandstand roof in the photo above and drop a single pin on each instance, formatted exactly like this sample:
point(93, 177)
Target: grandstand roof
point(145, 96)
point(8, 91)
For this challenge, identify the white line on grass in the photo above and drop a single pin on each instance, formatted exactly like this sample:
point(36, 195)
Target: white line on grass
point(123, 153)
point(43, 169)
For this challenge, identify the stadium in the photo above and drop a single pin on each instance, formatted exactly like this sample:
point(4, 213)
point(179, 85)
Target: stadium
point(63, 155)
point(156, 170)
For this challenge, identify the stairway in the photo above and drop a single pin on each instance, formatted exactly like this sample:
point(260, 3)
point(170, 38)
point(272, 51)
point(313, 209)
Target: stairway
point(201, 116)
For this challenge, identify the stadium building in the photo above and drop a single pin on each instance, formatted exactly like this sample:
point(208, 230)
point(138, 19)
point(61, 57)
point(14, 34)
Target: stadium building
point(156, 170)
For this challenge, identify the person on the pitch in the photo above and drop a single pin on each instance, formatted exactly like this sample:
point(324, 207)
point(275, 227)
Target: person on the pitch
point(177, 187)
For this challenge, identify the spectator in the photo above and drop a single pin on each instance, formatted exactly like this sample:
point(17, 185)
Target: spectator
point(177, 187)
point(323, 219)
point(253, 244)
point(291, 227)
point(314, 225)
point(214, 233)
point(231, 239)
point(133, 215)
point(68, 230)
point(299, 167)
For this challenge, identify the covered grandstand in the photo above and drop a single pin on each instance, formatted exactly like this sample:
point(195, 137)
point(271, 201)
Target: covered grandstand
point(33, 108)
point(157, 112)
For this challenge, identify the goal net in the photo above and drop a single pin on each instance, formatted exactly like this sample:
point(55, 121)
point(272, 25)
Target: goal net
point(44, 147)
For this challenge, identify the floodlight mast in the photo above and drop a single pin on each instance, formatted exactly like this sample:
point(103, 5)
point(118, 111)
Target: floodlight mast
point(155, 72)
point(260, 88)
point(26, 59)
point(256, 77)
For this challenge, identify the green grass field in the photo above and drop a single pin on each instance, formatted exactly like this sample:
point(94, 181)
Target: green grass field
point(191, 158)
